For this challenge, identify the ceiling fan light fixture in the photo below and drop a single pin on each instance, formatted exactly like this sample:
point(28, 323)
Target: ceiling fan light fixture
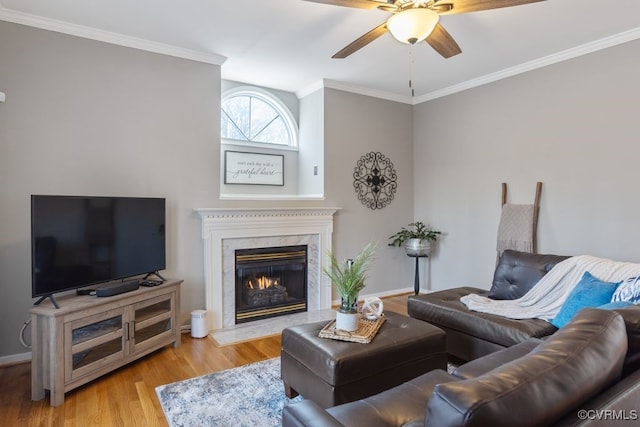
point(412, 25)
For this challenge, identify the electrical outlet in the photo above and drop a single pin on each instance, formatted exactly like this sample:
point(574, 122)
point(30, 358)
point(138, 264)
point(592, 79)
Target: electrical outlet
point(315, 170)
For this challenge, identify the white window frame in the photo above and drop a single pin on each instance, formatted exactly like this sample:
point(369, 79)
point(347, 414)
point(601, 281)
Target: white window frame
point(277, 104)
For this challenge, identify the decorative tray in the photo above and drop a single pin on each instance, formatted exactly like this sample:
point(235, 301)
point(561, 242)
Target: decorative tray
point(367, 330)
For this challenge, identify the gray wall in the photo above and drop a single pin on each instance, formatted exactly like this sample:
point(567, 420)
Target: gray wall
point(90, 118)
point(85, 117)
point(573, 126)
point(356, 125)
point(311, 150)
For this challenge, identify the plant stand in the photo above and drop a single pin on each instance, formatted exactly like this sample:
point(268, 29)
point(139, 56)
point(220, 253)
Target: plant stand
point(416, 280)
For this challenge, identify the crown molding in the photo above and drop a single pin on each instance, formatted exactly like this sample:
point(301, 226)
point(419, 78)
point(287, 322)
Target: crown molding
point(308, 90)
point(564, 55)
point(390, 96)
point(107, 36)
point(345, 87)
point(214, 59)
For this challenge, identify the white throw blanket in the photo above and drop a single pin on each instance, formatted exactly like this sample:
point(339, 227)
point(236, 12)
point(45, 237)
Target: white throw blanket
point(515, 230)
point(545, 298)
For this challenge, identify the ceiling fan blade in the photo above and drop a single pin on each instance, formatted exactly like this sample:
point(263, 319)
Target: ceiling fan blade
point(450, 7)
point(360, 4)
point(362, 41)
point(442, 42)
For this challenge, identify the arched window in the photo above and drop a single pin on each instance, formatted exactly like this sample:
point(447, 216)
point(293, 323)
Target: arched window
point(251, 115)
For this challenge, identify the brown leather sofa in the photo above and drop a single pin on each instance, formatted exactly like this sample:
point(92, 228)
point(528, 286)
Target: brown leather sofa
point(471, 334)
point(578, 376)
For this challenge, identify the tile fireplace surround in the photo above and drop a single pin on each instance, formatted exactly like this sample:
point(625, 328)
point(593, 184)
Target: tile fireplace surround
point(225, 230)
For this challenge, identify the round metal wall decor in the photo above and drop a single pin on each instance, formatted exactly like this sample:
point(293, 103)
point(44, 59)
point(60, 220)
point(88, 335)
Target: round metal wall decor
point(375, 180)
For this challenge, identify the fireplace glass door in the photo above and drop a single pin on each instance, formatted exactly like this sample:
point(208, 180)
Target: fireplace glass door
point(270, 282)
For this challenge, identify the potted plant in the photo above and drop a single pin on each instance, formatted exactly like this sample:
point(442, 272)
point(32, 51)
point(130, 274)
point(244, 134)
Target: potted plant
point(416, 240)
point(349, 279)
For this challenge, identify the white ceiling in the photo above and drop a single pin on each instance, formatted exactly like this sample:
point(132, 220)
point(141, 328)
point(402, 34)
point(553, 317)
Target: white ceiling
point(287, 44)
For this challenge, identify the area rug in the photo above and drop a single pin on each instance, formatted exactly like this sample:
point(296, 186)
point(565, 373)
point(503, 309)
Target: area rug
point(250, 395)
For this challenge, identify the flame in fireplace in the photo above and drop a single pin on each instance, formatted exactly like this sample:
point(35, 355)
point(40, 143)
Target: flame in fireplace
point(263, 282)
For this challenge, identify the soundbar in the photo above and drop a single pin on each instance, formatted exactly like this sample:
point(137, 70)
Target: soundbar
point(117, 288)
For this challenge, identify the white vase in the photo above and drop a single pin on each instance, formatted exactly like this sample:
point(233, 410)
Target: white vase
point(346, 321)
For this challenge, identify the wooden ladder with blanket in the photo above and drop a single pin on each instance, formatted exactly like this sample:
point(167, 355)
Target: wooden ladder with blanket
point(518, 224)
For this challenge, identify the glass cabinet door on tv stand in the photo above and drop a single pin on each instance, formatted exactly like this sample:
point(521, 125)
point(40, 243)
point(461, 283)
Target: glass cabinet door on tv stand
point(93, 342)
point(152, 322)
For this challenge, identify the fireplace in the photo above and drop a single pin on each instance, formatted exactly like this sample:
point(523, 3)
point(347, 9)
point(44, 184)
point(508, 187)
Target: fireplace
point(226, 230)
point(270, 282)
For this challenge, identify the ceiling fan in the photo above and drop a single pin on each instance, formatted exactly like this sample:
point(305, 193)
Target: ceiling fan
point(414, 21)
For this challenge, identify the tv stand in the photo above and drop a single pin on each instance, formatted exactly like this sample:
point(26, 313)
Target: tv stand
point(44, 297)
point(154, 273)
point(87, 337)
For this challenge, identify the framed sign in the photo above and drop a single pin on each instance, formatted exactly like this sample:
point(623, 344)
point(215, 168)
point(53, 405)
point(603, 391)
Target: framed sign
point(253, 168)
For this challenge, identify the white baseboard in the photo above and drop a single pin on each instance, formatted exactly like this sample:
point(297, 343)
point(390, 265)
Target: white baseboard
point(389, 293)
point(14, 358)
point(386, 294)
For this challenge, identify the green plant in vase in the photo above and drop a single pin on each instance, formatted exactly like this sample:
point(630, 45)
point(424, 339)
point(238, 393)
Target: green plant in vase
point(416, 240)
point(418, 231)
point(349, 279)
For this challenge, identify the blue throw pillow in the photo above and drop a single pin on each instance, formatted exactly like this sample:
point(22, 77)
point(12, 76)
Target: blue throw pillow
point(629, 290)
point(589, 292)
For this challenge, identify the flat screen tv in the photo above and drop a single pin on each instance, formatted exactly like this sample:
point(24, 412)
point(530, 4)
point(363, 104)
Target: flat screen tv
point(80, 241)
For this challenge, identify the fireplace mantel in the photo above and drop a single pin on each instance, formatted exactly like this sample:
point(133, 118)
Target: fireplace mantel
point(224, 225)
point(266, 212)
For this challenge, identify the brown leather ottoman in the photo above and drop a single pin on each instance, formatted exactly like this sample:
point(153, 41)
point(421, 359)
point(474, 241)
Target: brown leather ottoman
point(332, 372)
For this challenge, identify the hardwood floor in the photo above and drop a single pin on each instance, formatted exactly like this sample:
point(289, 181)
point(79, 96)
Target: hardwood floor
point(127, 396)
